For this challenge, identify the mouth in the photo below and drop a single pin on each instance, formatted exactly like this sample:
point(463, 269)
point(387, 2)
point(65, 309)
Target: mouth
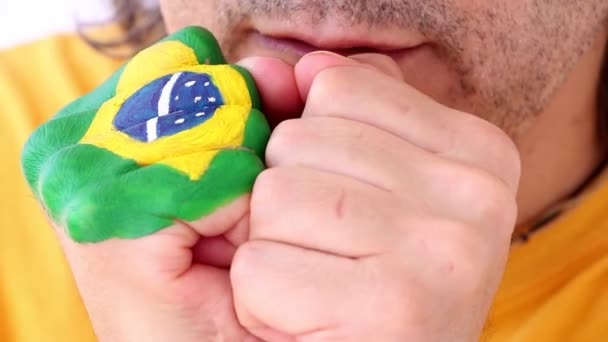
point(345, 45)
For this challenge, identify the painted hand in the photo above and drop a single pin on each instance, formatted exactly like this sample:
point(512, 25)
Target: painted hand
point(395, 213)
point(169, 137)
point(163, 155)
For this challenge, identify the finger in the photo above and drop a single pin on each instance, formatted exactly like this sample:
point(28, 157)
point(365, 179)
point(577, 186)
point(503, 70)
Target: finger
point(381, 62)
point(423, 181)
point(306, 72)
point(451, 251)
point(170, 252)
point(152, 279)
point(215, 251)
point(218, 250)
point(296, 291)
point(310, 295)
point(309, 66)
point(361, 94)
point(325, 212)
point(349, 148)
point(230, 220)
point(277, 88)
point(220, 233)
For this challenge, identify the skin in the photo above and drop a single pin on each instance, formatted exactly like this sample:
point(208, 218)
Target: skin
point(399, 203)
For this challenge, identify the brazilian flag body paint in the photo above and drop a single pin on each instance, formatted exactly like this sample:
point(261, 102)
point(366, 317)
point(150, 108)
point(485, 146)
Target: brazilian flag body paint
point(175, 134)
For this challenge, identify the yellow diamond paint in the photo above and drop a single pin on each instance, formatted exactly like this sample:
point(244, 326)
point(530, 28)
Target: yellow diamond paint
point(190, 151)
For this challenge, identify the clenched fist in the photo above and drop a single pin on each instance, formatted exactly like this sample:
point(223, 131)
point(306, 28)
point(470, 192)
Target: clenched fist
point(382, 216)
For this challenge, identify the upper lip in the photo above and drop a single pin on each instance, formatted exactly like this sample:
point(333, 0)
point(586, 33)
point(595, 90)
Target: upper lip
point(342, 39)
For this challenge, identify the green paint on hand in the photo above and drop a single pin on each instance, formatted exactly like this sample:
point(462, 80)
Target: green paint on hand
point(97, 193)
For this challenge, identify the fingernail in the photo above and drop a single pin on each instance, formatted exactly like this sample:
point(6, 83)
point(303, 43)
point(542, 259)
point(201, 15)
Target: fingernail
point(249, 62)
point(323, 53)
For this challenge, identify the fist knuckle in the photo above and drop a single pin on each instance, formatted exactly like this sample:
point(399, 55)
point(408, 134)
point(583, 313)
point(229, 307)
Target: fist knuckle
point(327, 88)
point(509, 152)
point(271, 186)
point(498, 206)
point(243, 265)
point(485, 197)
point(287, 136)
point(500, 147)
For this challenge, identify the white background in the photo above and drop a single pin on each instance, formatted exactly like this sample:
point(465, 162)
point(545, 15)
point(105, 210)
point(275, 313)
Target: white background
point(26, 20)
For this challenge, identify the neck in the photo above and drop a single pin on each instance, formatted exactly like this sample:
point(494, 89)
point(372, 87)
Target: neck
point(564, 146)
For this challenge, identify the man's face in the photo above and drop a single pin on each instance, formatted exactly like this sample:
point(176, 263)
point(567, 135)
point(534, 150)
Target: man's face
point(501, 60)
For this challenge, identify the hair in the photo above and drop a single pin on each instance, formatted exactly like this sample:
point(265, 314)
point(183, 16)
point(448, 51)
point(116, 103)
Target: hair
point(132, 28)
point(139, 26)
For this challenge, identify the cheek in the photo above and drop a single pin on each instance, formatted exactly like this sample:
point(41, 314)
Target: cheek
point(178, 14)
point(430, 73)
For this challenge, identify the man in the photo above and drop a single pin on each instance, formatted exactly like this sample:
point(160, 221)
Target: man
point(393, 189)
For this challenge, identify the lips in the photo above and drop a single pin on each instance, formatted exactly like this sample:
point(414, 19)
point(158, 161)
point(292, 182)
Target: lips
point(292, 50)
point(301, 41)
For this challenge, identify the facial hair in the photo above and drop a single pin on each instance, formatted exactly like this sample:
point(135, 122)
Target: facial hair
point(508, 58)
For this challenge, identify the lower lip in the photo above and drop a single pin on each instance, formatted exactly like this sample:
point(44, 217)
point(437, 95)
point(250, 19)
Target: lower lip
point(299, 48)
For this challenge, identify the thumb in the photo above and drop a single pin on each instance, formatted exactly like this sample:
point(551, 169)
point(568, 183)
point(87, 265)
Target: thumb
point(383, 63)
point(312, 64)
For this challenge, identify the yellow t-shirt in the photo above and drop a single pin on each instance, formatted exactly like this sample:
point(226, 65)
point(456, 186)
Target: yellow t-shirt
point(555, 287)
point(38, 298)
